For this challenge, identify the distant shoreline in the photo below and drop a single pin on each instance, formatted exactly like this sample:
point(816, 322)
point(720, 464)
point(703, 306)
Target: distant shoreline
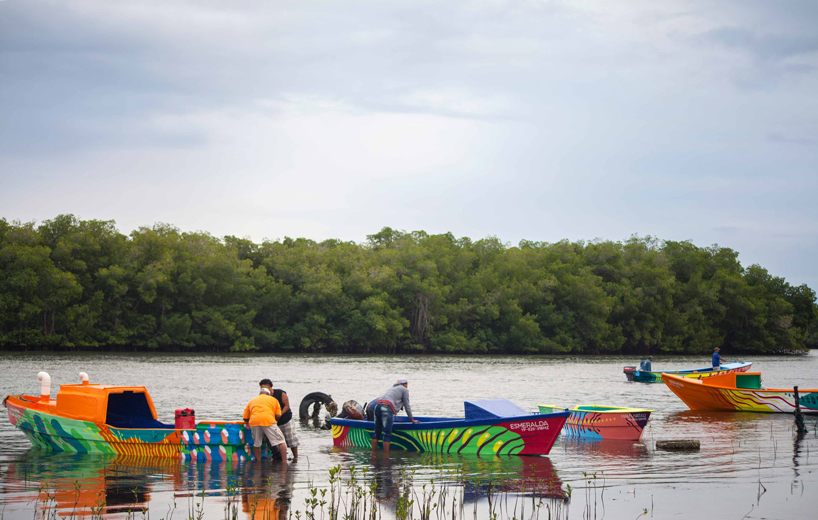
point(186, 351)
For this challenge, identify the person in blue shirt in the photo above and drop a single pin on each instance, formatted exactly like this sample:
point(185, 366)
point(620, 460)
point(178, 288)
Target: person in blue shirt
point(716, 358)
point(644, 366)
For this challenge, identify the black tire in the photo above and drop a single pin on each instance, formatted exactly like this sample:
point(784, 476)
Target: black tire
point(311, 399)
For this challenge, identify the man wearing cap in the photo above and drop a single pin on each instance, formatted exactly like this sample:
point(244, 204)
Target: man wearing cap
point(716, 358)
point(644, 366)
point(260, 415)
point(388, 406)
point(285, 423)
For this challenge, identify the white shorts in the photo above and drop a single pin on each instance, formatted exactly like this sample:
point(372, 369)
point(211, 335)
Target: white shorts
point(273, 434)
point(289, 433)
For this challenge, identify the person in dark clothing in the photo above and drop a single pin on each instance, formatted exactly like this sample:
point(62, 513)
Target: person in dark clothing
point(645, 366)
point(369, 411)
point(285, 422)
point(717, 361)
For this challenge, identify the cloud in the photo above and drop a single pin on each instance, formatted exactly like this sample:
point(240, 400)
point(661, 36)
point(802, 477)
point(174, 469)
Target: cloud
point(536, 120)
point(779, 138)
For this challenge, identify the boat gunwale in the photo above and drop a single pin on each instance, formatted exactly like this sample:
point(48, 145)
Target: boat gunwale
point(705, 370)
point(8, 399)
point(721, 387)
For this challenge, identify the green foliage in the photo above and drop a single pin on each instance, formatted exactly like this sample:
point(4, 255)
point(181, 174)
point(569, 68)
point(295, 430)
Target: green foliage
point(70, 283)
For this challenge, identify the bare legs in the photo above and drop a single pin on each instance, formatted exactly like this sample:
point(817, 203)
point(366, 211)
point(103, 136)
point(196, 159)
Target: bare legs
point(282, 450)
point(385, 447)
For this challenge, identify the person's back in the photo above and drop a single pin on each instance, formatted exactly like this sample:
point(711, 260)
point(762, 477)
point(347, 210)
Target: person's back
point(261, 410)
point(397, 398)
point(716, 360)
point(645, 366)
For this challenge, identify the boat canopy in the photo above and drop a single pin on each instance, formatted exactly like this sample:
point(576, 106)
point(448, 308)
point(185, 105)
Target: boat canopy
point(492, 409)
point(117, 406)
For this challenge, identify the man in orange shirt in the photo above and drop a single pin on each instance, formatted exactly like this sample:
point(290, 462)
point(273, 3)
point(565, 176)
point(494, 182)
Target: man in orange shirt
point(261, 414)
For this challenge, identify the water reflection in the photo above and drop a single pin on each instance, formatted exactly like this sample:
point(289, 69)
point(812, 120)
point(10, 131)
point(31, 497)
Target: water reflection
point(608, 449)
point(82, 485)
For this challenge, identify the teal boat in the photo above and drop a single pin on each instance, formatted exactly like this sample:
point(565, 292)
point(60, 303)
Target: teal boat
point(641, 376)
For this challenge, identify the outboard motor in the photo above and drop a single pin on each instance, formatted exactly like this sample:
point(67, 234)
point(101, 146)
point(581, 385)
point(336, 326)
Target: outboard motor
point(630, 373)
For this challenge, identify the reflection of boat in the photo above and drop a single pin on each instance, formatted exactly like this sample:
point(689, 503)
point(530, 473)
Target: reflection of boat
point(739, 392)
point(78, 484)
point(60, 485)
point(527, 476)
point(591, 422)
point(93, 418)
point(641, 376)
point(607, 449)
point(493, 426)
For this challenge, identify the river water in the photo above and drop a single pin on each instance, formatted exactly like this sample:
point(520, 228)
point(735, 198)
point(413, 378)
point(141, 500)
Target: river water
point(749, 465)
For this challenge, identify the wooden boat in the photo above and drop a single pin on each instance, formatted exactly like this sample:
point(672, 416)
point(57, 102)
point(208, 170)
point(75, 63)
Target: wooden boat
point(641, 376)
point(739, 392)
point(490, 427)
point(121, 420)
point(590, 422)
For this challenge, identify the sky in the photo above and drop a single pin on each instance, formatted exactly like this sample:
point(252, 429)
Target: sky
point(537, 120)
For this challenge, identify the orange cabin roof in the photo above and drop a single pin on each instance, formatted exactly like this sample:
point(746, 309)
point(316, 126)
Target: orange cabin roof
point(85, 402)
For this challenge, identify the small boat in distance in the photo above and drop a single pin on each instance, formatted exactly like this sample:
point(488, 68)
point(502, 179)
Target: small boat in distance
point(121, 420)
point(640, 376)
point(591, 422)
point(490, 427)
point(739, 393)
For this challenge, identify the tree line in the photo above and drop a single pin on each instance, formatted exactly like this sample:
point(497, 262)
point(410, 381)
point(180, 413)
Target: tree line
point(81, 284)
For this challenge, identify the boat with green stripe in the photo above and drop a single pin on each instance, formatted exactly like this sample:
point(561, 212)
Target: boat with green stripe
point(490, 427)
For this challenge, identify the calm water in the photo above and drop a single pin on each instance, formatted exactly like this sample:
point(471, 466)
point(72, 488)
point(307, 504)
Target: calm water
point(750, 465)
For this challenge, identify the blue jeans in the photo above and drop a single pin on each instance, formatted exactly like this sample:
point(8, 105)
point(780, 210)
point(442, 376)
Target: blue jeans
point(384, 418)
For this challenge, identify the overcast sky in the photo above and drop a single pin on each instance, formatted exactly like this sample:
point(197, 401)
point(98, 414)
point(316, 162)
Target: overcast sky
point(537, 120)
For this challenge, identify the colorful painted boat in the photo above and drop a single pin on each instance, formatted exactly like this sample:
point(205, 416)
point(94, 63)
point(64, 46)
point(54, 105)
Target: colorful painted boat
point(739, 392)
point(591, 422)
point(490, 427)
point(641, 376)
point(121, 420)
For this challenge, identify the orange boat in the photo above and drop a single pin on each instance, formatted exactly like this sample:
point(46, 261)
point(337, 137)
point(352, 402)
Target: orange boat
point(740, 392)
point(121, 420)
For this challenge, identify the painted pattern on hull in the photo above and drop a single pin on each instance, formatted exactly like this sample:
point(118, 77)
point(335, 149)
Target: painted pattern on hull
point(515, 436)
point(209, 441)
point(724, 396)
point(479, 440)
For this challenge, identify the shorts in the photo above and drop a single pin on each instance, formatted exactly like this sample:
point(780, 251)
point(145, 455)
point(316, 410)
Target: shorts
point(288, 429)
point(273, 434)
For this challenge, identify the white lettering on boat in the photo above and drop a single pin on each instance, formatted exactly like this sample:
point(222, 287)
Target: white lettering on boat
point(529, 426)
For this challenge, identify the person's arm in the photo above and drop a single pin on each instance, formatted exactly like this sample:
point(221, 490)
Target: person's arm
point(276, 409)
point(407, 406)
point(246, 415)
point(285, 402)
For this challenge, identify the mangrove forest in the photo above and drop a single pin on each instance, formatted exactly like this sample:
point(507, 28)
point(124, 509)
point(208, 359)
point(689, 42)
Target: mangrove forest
point(81, 284)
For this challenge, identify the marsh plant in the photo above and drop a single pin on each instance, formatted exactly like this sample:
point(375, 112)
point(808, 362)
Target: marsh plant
point(355, 493)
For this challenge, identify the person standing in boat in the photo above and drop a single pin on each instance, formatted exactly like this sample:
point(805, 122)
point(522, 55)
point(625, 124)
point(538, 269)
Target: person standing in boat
point(285, 423)
point(717, 361)
point(261, 414)
point(389, 404)
point(645, 366)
